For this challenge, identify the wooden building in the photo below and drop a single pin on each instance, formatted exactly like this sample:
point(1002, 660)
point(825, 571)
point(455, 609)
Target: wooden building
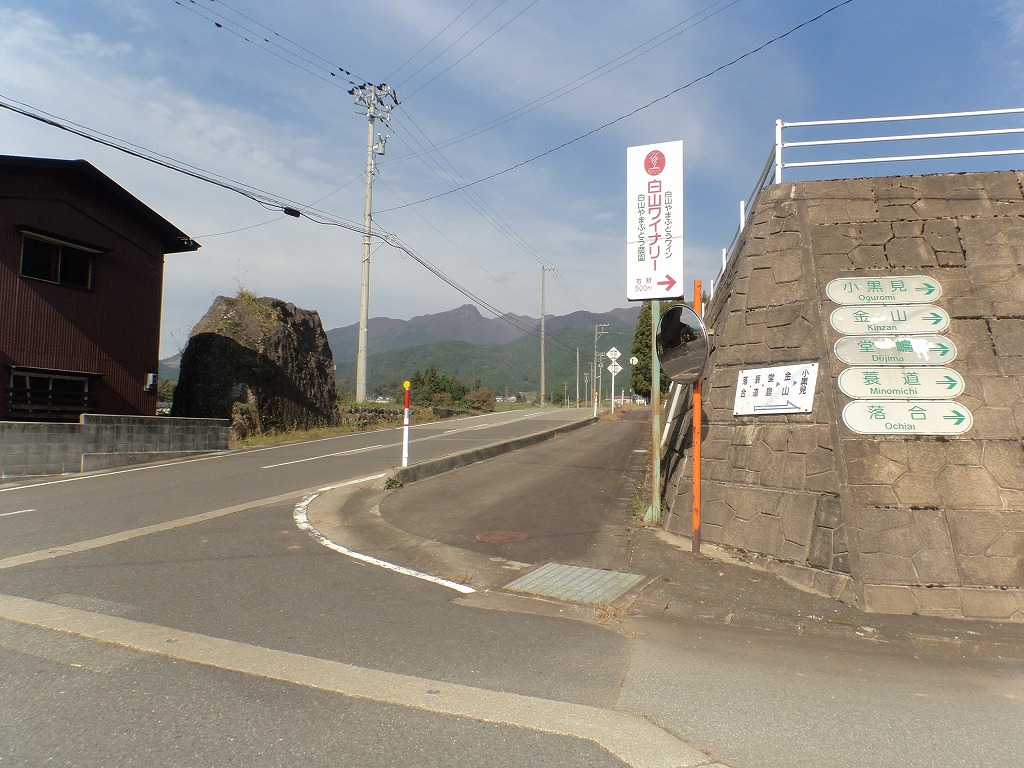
point(81, 283)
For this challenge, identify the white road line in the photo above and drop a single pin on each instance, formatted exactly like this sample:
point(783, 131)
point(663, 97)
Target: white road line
point(116, 538)
point(20, 511)
point(632, 738)
point(328, 456)
point(302, 521)
point(395, 445)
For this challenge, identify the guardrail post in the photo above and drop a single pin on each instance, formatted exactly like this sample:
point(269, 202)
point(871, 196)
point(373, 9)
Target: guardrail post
point(778, 151)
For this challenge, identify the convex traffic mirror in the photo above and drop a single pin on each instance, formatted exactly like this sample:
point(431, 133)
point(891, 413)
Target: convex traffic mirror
point(683, 346)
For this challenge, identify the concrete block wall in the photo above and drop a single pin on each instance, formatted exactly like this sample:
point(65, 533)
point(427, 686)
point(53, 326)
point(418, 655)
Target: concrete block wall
point(101, 442)
point(920, 524)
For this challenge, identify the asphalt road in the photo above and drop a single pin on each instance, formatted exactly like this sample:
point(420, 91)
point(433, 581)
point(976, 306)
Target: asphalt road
point(176, 615)
point(207, 549)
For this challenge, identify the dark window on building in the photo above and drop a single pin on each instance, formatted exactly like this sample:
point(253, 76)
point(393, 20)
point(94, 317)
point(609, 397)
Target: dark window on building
point(56, 262)
point(44, 396)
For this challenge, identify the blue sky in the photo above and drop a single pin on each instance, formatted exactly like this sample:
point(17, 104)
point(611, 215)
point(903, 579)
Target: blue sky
point(159, 74)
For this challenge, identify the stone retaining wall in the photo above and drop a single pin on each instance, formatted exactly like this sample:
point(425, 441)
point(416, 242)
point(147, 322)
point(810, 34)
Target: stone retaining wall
point(101, 442)
point(919, 524)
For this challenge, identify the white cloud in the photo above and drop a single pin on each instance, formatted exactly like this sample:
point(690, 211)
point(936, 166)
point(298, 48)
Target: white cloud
point(164, 78)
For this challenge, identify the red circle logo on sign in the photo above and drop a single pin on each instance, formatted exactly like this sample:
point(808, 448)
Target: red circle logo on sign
point(654, 163)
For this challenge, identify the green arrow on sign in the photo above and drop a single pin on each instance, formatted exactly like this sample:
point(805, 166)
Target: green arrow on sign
point(942, 349)
point(957, 418)
point(948, 381)
point(935, 317)
point(928, 288)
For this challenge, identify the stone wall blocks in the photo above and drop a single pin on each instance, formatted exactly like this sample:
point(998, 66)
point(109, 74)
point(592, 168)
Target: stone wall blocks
point(992, 604)
point(843, 210)
point(822, 482)
point(963, 307)
point(887, 568)
point(935, 566)
point(942, 235)
point(907, 229)
point(1008, 544)
point(910, 253)
point(994, 423)
point(1005, 462)
point(1008, 337)
point(918, 490)
point(819, 553)
point(765, 535)
point(803, 440)
point(969, 487)
point(989, 571)
point(835, 239)
point(887, 598)
point(877, 470)
point(828, 512)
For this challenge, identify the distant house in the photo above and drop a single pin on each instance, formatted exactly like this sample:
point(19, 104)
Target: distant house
point(81, 283)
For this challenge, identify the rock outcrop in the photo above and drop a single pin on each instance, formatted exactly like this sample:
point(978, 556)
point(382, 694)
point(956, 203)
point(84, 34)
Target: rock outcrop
point(262, 362)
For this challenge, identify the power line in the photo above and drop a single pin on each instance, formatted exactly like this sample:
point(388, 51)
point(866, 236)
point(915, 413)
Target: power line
point(474, 48)
point(289, 57)
point(428, 43)
point(629, 114)
point(585, 79)
point(265, 199)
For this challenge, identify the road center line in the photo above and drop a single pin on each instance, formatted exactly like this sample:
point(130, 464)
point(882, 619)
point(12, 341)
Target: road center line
point(633, 739)
point(116, 538)
point(396, 444)
point(20, 511)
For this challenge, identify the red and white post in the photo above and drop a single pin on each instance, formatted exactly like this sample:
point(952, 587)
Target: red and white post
point(405, 428)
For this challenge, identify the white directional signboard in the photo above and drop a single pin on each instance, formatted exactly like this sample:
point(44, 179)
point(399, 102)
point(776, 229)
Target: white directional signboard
point(614, 368)
point(781, 389)
point(907, 417)
point(613, 354)
point(919, 383)
point(654, 221)
point(902, 289)
point(890, 319)
point(895, 350)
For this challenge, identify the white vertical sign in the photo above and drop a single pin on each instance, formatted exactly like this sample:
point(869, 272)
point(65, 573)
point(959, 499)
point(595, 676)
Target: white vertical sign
point(654, 221)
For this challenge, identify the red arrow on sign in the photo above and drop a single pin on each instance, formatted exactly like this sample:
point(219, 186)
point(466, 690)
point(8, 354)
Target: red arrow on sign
point(668, 282)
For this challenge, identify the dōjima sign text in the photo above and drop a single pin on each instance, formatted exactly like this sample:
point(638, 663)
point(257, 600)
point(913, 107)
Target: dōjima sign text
point(895, 350)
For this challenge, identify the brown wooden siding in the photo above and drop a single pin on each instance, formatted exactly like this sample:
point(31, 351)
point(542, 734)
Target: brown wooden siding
point(113, 329)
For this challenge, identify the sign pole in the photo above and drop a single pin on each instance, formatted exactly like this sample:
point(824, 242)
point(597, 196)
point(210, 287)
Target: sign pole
point(655, 414)
point(405, 427)
point(698, 307)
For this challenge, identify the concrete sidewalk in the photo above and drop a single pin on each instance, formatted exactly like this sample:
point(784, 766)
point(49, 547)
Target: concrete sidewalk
point(575, 500)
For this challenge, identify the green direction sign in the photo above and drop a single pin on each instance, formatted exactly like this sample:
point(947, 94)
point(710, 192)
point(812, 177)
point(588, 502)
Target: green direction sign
point(895, 350)
point(890, 319)
point(897, 383)
point(903, 417)
point(904, 289)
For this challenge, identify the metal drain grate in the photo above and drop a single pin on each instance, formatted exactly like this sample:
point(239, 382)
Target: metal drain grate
point(573, 582)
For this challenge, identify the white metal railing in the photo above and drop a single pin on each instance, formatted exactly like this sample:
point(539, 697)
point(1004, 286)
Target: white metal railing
point(781, 144)
point(777, 162)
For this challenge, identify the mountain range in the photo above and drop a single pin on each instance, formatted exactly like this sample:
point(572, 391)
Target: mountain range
point(503, 352)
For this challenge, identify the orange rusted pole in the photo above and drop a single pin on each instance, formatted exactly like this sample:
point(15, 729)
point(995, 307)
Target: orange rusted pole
point(698, 307)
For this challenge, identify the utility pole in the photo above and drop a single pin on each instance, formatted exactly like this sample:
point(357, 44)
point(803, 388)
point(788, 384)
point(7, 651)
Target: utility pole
point(370, 97)
point(577, 377)
point(543, 271)
point(599, 330)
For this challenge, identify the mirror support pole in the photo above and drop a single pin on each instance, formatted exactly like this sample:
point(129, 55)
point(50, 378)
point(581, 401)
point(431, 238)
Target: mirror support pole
point(697, 418)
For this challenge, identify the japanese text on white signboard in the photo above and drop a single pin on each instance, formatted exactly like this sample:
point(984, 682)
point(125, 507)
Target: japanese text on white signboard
point(654, 221)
